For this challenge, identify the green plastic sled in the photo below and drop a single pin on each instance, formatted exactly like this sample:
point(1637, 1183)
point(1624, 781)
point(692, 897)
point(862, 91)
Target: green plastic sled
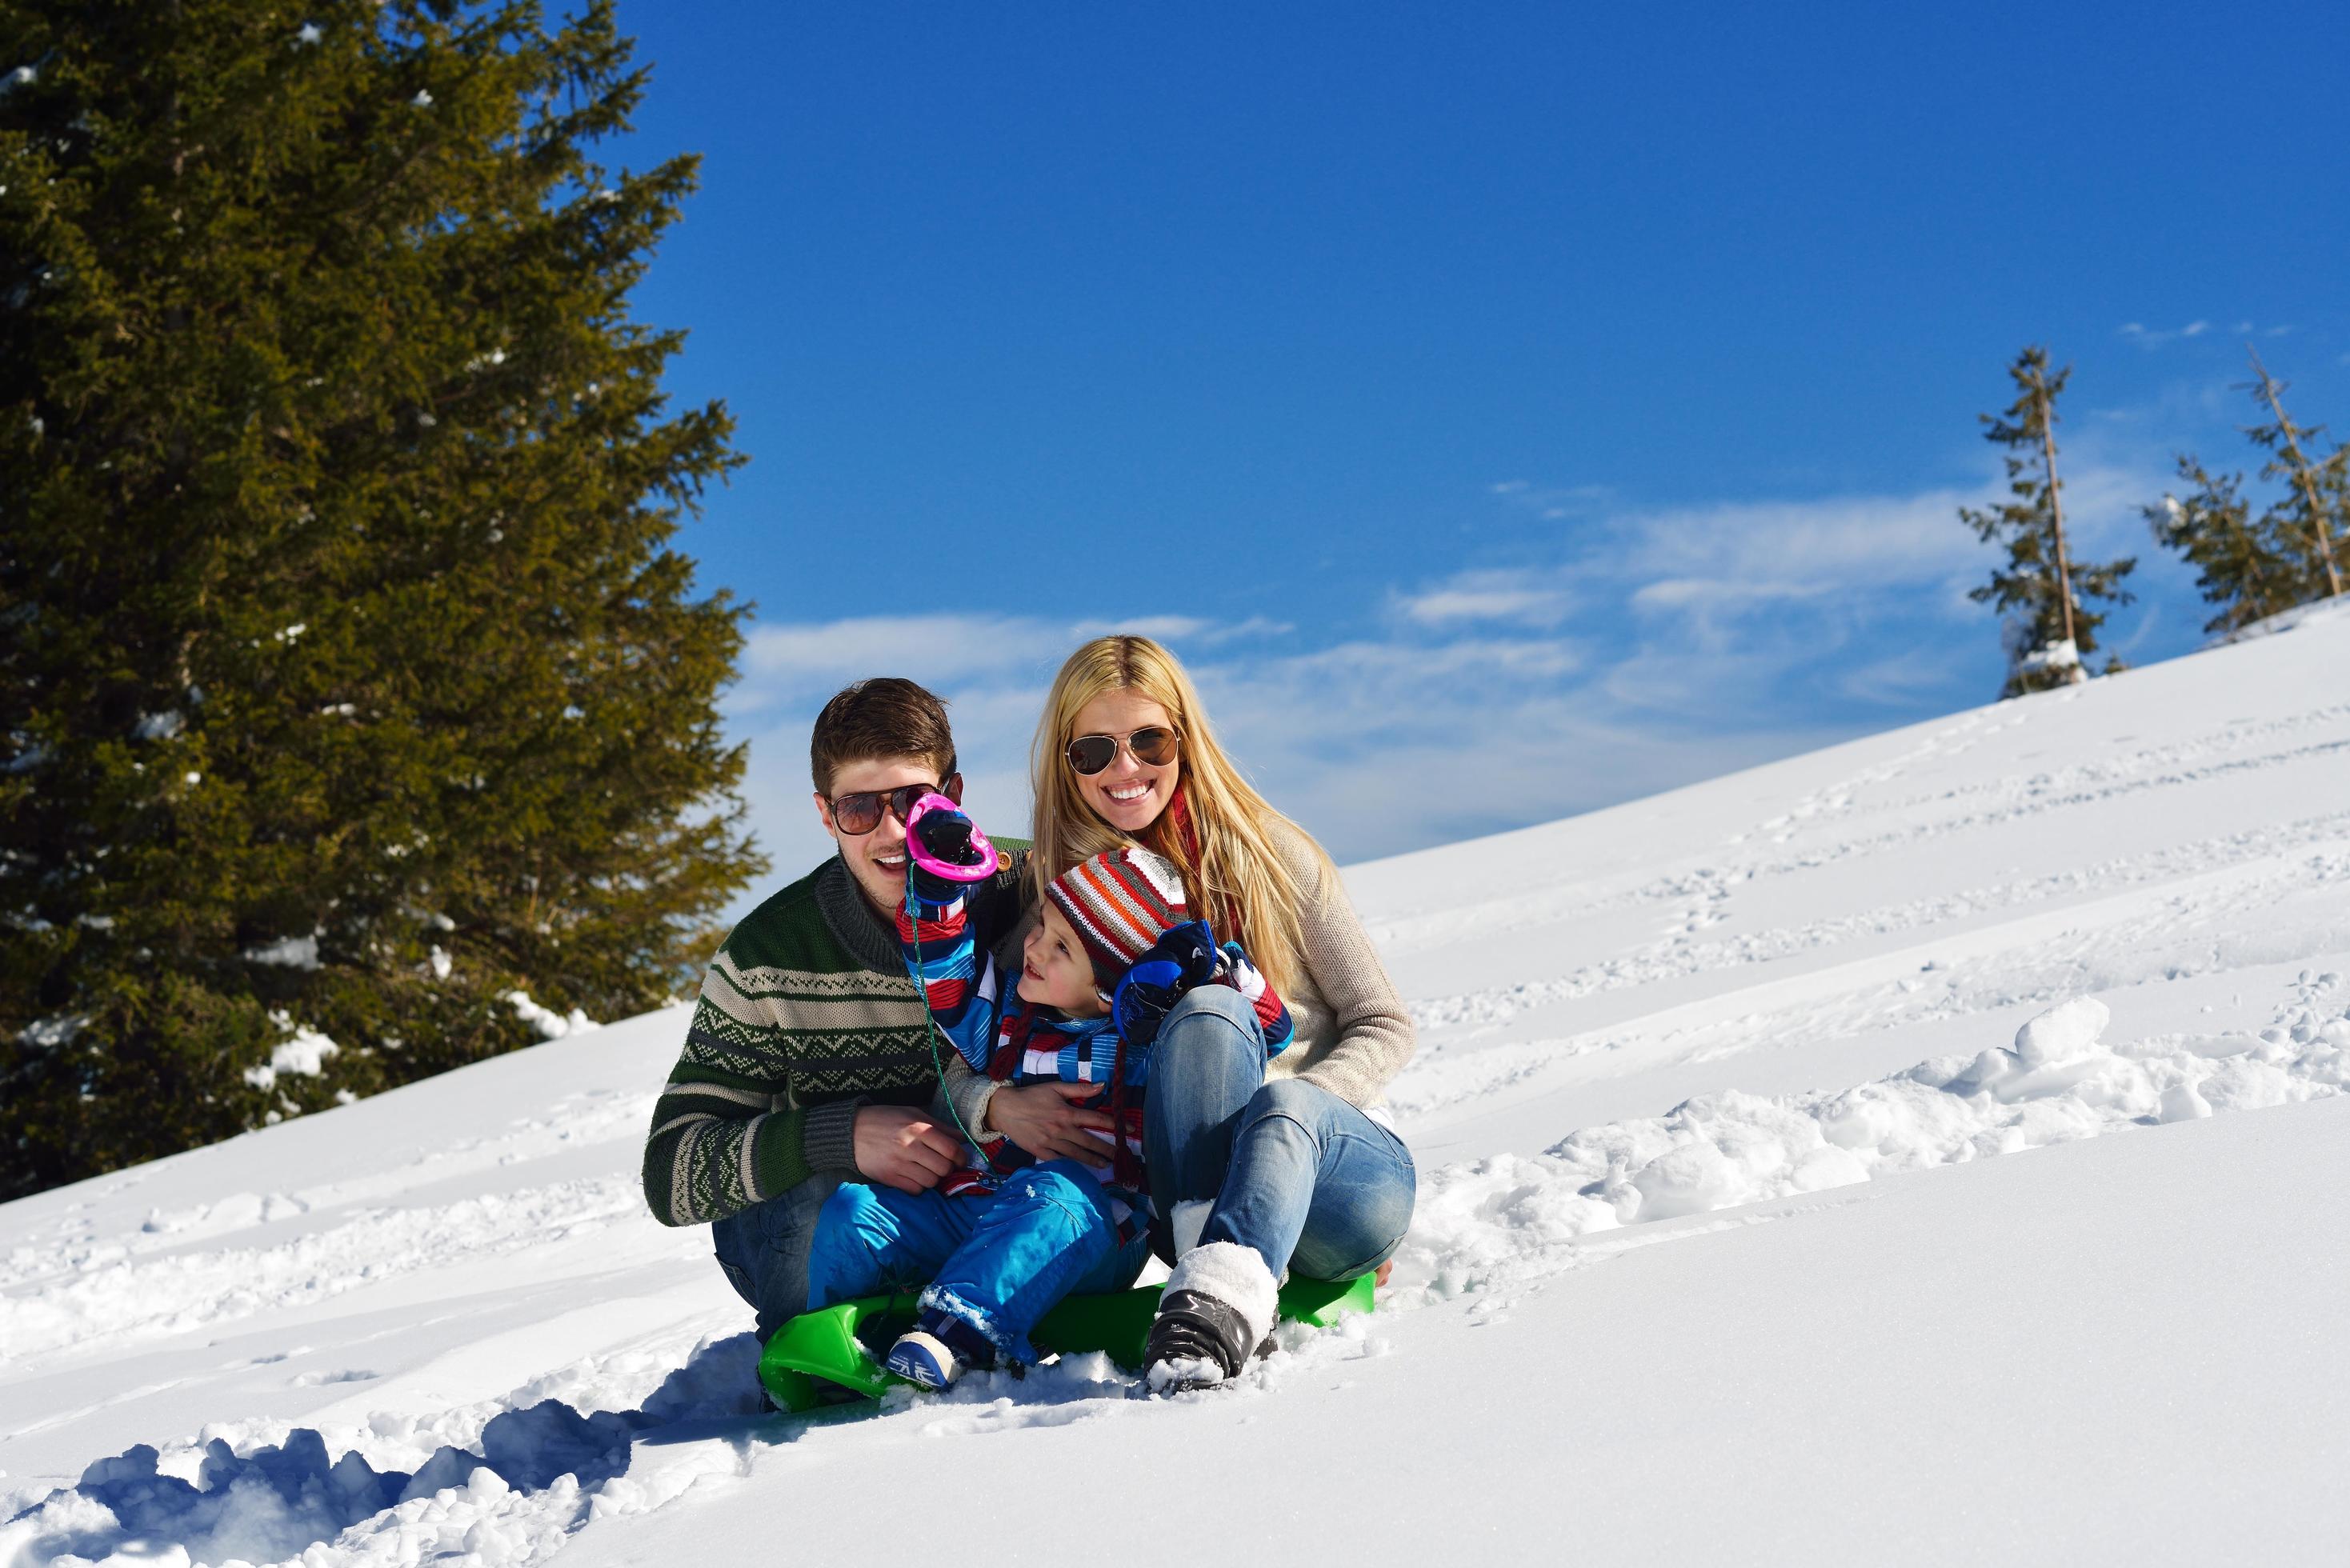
point(830, 1346)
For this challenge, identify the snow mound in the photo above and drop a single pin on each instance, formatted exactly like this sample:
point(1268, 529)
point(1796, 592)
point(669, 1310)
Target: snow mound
point(1514, 1218)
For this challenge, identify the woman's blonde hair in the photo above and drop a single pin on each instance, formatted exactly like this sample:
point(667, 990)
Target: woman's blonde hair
point(1237, 869)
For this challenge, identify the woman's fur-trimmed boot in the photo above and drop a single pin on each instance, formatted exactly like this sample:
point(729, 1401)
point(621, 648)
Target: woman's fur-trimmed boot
point(1217, 1308)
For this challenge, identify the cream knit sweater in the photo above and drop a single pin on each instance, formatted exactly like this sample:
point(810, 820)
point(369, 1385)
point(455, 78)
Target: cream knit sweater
point(1353, 1033)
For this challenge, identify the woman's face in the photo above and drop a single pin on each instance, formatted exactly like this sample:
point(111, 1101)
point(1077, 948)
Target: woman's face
point(1129, 793)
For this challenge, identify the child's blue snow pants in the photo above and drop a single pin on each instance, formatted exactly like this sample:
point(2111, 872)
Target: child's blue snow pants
point(997, 1260)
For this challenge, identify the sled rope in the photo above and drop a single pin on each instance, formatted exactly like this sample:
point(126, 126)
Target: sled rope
point(938, 1062)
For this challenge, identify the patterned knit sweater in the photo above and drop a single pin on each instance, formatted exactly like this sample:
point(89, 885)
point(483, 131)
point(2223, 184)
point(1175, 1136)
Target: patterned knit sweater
point(806, 1013)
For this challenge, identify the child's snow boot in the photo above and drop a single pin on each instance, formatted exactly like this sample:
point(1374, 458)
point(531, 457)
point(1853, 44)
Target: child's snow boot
point(1217, 1308)
point(938, 1348)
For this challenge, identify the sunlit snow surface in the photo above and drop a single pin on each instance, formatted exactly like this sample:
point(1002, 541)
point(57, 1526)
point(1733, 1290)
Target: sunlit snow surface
point(1719, 1255)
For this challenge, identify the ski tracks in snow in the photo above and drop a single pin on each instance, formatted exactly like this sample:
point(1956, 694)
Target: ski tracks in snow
point(1834, 824)
point(2167, 915)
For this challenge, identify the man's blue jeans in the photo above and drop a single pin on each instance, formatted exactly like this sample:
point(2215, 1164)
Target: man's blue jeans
point(1293, 1171)
point(998, 1261)
point(763, 1251)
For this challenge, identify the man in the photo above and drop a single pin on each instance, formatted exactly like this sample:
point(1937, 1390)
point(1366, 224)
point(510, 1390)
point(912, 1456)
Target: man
point(809, 1060)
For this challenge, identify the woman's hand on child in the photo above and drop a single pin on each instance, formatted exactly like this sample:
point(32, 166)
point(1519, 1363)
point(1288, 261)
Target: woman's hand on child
point(899, 1147)
point(1046, 1120)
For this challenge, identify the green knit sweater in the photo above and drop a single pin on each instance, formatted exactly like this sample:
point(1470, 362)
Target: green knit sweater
point(806, 1014)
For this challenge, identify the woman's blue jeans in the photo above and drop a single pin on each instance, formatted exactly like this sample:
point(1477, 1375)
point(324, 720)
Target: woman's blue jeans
point(1293, 1171)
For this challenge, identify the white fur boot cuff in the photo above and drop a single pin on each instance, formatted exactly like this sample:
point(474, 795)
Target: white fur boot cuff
point(1234, 1275)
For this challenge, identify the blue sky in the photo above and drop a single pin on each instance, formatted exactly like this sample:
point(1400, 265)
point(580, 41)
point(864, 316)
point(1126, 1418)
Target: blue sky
point(1506, 409)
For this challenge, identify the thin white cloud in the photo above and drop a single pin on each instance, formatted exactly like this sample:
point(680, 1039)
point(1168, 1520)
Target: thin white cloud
point(1841, 540)
point(2145, 336)
point(1483, 597)
point(939, 650)
point(1553, 504)
point(1714, 593)
point(1255, 625)
point(1899, 680)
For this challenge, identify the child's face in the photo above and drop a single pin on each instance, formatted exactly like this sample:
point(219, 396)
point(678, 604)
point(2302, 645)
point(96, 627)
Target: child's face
point(1054, 969)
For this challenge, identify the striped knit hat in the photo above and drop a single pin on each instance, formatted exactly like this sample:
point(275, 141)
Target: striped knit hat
point(1119, 902)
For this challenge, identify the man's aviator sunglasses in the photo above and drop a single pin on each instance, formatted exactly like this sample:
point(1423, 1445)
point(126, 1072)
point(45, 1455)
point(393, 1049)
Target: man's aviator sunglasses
point(1153, 747)
point(860, 811)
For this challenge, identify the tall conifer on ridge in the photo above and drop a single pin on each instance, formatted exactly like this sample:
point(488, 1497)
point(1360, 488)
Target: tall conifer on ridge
point(2041, 590)
point(2238, 565)
point(2309, 521)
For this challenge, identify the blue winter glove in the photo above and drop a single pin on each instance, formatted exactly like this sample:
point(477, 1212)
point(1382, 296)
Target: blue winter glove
point(1183, 956)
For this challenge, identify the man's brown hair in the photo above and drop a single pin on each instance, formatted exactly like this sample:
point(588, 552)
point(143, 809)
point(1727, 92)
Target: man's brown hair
point(883, 717)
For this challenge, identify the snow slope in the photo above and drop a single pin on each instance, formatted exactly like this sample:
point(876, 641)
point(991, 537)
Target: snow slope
point(1717, 1254)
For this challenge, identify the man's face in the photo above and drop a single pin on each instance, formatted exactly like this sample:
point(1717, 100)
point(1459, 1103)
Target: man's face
point(878, 859)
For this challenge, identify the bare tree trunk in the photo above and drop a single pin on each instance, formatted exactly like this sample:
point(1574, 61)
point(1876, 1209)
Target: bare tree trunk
point(2300, 473)
point(2056, 506)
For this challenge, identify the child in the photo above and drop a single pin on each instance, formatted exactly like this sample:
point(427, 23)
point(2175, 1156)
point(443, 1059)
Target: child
point(1002, 1243)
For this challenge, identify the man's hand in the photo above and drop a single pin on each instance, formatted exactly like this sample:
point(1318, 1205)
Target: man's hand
point(899, 1147)
point(1046, 1120)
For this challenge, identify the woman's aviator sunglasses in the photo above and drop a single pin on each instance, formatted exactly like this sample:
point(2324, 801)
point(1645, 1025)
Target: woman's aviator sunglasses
point(860, 810)
point(1153, 747)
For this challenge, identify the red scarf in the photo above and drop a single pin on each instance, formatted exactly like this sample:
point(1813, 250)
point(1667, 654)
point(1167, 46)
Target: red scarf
point(1225, 920)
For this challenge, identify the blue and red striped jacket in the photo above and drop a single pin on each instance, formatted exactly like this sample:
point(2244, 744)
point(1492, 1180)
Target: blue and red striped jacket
point(1015, 1041)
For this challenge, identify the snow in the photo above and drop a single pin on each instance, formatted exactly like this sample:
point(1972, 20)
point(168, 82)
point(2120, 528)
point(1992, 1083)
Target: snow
point(2327, 609)
point(2061, 654)
point(304, 1051)
point(291, 952)
point(1924, 1150)
point(551, 1025)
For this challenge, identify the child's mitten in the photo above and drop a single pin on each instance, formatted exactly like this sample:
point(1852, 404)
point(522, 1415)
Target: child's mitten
point(945, 851)
point(1183, 956)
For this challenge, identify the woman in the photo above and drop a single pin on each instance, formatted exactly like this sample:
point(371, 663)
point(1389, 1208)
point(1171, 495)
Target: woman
point(1255, 1168)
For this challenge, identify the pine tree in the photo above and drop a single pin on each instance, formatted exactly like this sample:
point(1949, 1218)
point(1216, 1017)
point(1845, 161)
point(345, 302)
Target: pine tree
point(347, 681)
point(2241, 564)
point(2312, 516)
point(2041, 590)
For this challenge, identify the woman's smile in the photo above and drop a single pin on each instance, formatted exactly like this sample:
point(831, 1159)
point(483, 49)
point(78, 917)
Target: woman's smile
point(1129, 793)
